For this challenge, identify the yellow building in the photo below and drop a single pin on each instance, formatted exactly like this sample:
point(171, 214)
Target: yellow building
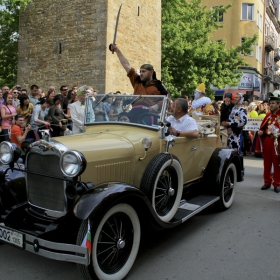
point(244, 19)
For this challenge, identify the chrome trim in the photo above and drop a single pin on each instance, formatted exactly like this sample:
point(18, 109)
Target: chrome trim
point(53, 145)
point(200, 209)
point(81, 162)
point(52, 214)
point(13, 149)
point(32, 243)
point(54, 149)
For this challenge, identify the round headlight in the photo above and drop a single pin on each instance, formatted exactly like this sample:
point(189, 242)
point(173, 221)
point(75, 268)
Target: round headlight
point(72, 163)
point(6, 152)
point(146, 143)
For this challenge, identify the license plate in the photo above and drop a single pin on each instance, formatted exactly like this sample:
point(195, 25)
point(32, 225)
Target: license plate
point(12, 237)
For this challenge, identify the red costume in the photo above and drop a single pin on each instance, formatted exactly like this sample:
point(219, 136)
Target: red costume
point(270, 148)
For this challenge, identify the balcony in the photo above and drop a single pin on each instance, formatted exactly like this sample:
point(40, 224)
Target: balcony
point(276, 79)
point(277, 54)
point(271, 6)
point(270, 43)
point(268, 74)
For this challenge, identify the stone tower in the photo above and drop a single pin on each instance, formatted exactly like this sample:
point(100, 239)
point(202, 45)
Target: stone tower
point(66, 42)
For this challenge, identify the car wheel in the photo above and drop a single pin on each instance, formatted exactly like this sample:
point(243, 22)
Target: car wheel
point(115, 243)
point(162, 182)
point(228, 187)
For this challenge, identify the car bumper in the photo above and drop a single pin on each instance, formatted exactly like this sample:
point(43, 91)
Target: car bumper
point(44, 248)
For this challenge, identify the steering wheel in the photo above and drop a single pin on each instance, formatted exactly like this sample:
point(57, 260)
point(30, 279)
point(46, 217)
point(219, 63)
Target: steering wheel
point(151, 117)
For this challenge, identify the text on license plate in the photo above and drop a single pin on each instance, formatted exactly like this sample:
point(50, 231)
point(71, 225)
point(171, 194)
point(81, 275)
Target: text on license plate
point(11, 237)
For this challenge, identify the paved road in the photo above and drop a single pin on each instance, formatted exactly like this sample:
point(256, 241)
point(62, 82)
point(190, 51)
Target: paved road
point(241, 243)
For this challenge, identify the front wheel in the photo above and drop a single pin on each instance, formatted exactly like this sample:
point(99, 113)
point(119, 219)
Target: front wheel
point(228, 186)
point(115, 243)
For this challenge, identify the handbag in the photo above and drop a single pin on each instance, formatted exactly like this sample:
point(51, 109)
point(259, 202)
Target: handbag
point(10, 132)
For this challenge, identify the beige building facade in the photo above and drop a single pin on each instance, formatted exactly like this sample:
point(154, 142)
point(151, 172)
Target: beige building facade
point(66, 42)
point(244, 19)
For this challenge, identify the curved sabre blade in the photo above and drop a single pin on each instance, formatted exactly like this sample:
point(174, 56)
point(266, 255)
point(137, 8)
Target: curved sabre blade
point(116, 28)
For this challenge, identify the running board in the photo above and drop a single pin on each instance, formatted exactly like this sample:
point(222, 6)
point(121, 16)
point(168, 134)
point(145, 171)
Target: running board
point(189, 208)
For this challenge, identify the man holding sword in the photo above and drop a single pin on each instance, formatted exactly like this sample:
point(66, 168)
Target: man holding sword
point(144, 84)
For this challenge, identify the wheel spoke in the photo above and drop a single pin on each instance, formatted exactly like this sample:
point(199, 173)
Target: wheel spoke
point(105, 250)
point(160, 201)
point(170, 182)
point(113, 257)
point(160, 195)
point(163, 183)
point(108, 257)
point(161, 189)
point(106, 243)
point(111, 227)
point(166, 178)
point(116, 226)
point(164, 201)
point(108, 235)
point(120, 230)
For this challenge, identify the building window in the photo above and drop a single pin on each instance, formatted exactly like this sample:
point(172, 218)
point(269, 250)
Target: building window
point(247, 11)
point(260, 22)
point(266, 29)
point(219, 16)
point(260, 54)
point(257, 52)
point(249, 53)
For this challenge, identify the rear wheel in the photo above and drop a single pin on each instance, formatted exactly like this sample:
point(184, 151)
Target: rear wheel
point(115, 243)
point(228, 186)
point(162, 182)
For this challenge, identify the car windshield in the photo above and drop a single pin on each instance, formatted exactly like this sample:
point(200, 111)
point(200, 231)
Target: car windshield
point(130, 109)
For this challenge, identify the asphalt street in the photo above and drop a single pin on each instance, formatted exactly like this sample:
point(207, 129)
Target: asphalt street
point(240, 243)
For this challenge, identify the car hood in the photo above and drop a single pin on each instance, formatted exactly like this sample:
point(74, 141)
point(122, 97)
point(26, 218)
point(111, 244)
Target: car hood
point(114, 139)
point(110, 151)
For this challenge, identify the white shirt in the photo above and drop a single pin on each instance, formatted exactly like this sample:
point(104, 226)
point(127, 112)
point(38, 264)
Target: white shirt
point(185, 123)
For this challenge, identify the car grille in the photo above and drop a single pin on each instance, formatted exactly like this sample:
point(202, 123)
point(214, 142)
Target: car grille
point(45, 192)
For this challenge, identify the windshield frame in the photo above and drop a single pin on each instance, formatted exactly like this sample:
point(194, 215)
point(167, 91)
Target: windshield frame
point(134, 98)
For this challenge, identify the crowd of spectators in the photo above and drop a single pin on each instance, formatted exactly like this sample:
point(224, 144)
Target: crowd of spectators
point(24, 114)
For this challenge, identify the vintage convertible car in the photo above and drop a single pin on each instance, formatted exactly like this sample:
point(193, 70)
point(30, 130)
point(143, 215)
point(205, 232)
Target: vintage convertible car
point(84, 198)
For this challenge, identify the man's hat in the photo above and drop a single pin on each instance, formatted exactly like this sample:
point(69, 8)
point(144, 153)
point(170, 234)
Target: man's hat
point(82, 90)
point(201, 88)
point(275, 96)
point(147, 66)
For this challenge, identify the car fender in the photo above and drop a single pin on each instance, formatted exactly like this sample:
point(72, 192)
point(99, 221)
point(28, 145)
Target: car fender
point(217, 166)
point(98, 200)
point(12, 186)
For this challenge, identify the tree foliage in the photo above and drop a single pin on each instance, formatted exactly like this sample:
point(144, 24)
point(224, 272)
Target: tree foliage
point(189, 57)
point(9, 23)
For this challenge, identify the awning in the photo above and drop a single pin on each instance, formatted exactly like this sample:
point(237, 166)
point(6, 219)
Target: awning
point(219, 92)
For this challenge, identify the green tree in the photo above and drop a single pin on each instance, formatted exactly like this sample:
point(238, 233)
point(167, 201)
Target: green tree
point(9, 23)
point(189, 57)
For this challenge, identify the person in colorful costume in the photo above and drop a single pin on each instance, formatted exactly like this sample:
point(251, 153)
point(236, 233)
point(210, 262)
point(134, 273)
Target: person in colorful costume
point(269, 141)
point(201, 104)
point(237, 120)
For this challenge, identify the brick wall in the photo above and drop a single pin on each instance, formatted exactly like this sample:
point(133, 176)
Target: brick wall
point(66, 42)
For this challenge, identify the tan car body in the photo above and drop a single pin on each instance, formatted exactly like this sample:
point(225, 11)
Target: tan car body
point(113, 151)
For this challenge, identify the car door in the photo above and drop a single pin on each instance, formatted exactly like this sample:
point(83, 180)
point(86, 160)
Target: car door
point(189, 153)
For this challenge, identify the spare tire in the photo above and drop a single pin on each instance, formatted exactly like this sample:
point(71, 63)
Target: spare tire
point(162, 182)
